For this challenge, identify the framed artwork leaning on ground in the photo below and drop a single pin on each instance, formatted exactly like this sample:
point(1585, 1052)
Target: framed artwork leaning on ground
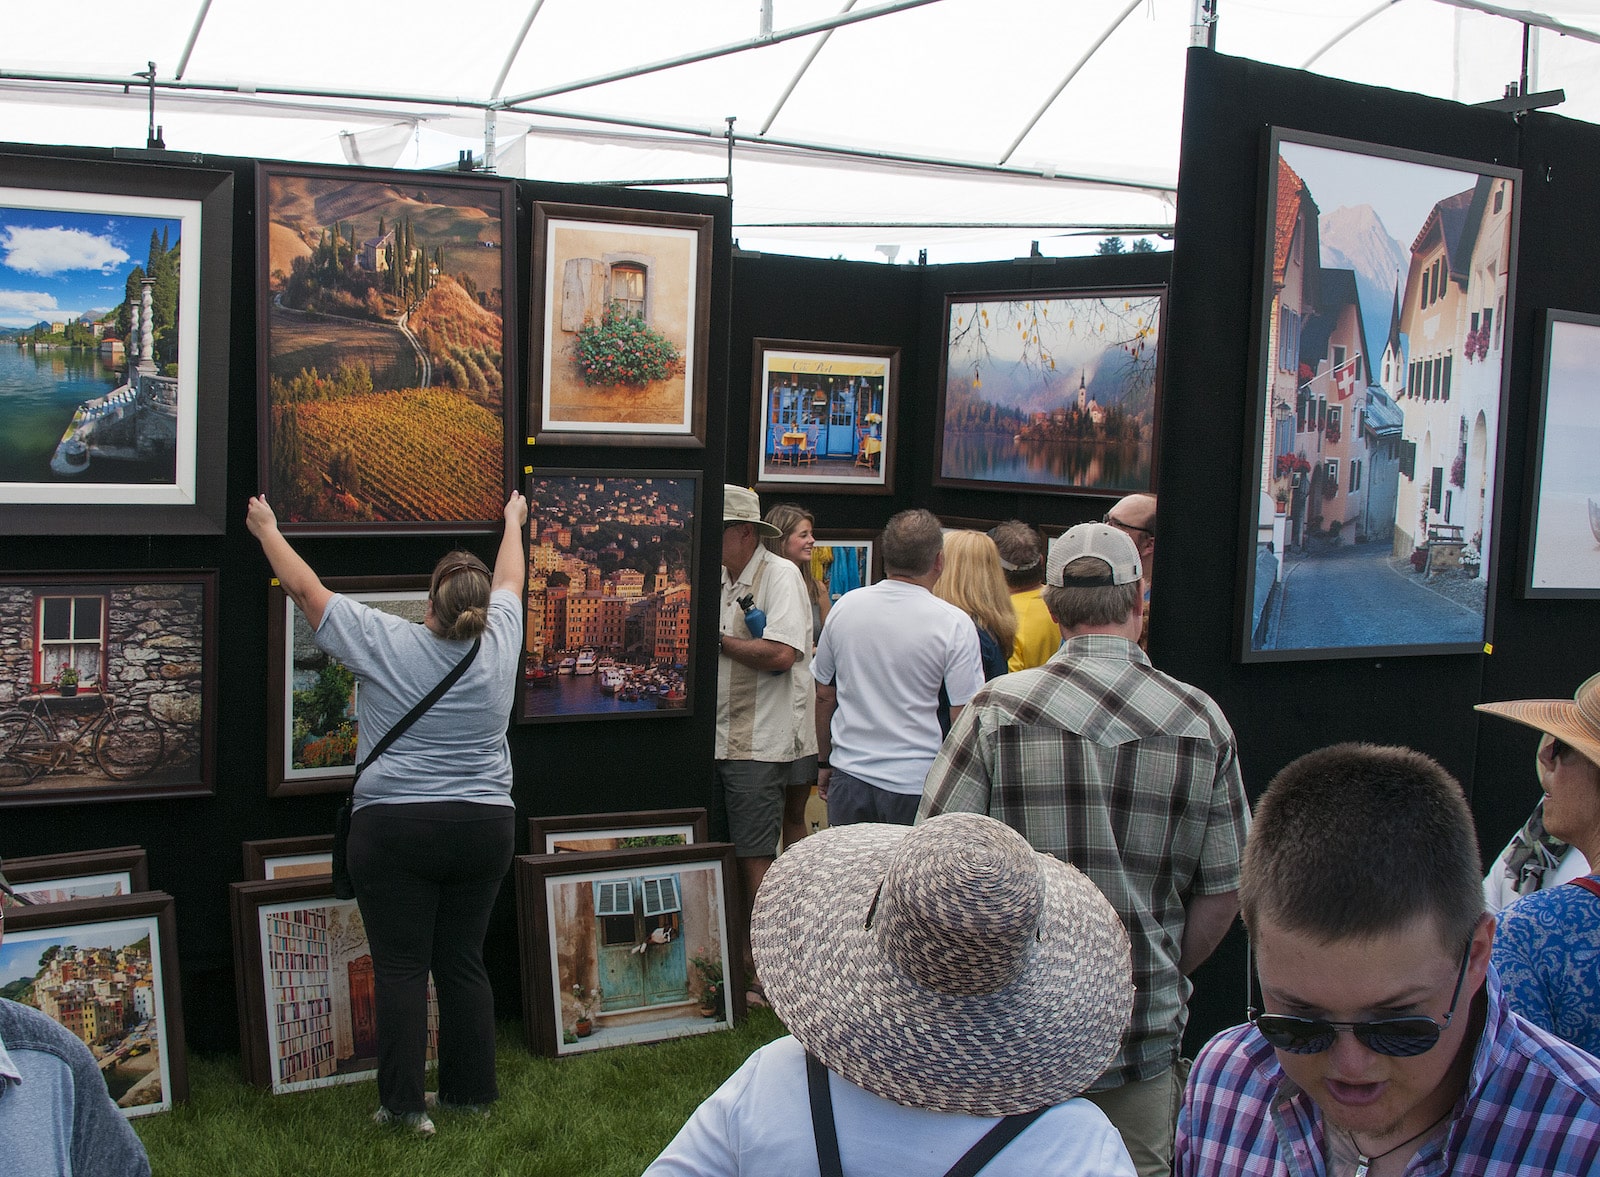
point(110, 691)
point(625, 946)
point(822, 417)
point(288, 858)
point(125, 947)
point(83, 874)
point(1563, 550)
point(386, 386)
point(569, 833)
point(1370, 504)
point(115, 283)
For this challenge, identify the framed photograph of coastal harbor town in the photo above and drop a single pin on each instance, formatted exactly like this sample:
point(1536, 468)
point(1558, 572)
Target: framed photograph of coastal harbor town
point(1370, 502)
point(114, 296)
point(108, 686)
point(107, 970)
point(625, 947)
point(307, 1006)
point(387, 370)
point(311, 695)
point(579, 832)
point(1051, 392)
point(846, 558)
point(611, 560)
point(1563, 550)
point(288, 858)
point(822, 417)
point(82, 874)
point(620, 326)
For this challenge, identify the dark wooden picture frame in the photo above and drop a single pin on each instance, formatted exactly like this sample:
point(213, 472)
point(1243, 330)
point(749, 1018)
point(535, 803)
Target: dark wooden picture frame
point(1039, 351)
point(1372, 470)
point(550, 835)
point(1562, 552)
point(121, 918)
point(274, 859)
point(154, 733)
point(823, 417)
point(558, 987)
point(588, 261)
point(858, 538)
point(188, 410)
point(81, 874)
point(349, 447)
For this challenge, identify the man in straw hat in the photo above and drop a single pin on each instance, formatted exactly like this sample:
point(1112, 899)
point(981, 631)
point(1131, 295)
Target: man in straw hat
point(1547, 943)
point(1381, 1043)
point(56, 1116)
point(764, 628)
point(943, 987)
point(1102, 760)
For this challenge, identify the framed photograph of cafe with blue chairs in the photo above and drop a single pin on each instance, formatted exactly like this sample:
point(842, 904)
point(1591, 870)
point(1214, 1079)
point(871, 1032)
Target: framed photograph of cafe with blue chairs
point(823, 417)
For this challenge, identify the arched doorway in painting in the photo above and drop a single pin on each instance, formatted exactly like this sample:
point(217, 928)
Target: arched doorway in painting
point(363, 1008)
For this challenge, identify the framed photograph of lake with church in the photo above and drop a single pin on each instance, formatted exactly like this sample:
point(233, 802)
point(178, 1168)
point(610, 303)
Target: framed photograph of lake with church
point(114, 327)
point(1051, 392)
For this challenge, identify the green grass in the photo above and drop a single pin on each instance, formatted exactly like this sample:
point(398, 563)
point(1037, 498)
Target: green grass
point(604, 1114)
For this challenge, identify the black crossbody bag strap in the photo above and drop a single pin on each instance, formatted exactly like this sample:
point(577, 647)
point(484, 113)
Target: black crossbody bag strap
point(822, 1125)
point(417, 712)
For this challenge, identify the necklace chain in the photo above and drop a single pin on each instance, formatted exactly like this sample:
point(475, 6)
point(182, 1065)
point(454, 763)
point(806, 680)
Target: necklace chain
point(1364, 1162)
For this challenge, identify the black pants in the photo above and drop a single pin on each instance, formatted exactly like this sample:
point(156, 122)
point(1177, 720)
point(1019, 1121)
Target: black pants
point(426, 877)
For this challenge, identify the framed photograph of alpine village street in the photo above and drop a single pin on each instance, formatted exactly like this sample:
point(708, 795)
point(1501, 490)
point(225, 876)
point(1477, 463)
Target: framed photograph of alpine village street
point(821, 416)
point(610, 597)
point(621, 323)
point(107, 970)
point(108, 686)
point(625, 947)
point(1051, 392)
point(386, 386)
point(575, 833)
point(83, 874)
point(1563, 552)
point(115, 281)
point(1370, 501)
point(311, 696)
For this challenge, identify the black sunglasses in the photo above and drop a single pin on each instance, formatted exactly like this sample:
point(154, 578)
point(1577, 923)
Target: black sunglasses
point(1397, 1037)
point(1121, 526)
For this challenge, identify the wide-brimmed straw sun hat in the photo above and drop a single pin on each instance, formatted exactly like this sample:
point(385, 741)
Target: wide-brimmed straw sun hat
point(1574, 721)
point(947, 966)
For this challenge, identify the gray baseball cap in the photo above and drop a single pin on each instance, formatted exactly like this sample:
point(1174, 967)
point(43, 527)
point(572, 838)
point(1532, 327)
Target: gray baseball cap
point(1103, 542)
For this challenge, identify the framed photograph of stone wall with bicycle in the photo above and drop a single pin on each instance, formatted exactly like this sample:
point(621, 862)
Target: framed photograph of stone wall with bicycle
point(114, 328)
point(107, 686)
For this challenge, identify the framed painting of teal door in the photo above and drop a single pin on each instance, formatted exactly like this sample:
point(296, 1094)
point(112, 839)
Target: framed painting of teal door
point(639, 942)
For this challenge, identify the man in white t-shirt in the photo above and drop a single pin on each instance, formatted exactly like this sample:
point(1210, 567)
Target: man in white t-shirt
point(882, 657)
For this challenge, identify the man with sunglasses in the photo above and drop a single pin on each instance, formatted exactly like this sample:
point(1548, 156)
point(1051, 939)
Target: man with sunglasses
point(1135, 516)
point(1380, 1043)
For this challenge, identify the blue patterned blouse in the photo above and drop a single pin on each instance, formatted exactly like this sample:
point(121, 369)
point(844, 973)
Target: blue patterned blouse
point(1547, 951)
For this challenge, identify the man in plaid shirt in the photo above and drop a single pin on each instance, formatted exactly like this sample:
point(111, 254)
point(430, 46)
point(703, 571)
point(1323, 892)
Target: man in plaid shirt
point(1098, 758)
point(1382, 1045)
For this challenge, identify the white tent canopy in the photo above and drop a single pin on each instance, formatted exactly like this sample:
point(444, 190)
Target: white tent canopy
point(861, 128)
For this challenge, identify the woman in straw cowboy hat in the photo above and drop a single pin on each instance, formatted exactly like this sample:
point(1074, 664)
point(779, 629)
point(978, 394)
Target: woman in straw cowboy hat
point(1547, 945)
point(944, 987)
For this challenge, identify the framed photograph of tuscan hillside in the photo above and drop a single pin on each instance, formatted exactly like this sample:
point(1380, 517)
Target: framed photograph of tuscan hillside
point(83, 874)
point(108, 692)
point(1563, 551)
point(311, 696)
point(1385, 282)
point(626, 946)
point(620, 326)
point(1051, 392)
point(579, 832)
point(387, 372)
point(610, 596)
point(126, 948)
point(288, 858)
point(822, 417)
point(115, 282)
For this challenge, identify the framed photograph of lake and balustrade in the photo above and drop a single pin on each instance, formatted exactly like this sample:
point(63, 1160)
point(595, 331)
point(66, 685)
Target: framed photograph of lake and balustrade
point(107, 970)
point(626, 946)
point(303, 969)
point(1563, 551)
point(82, 874)
point(386, 366)
point(115, 281)
point(288, 858)
point(1370, 499)
point(579, 832)
point(822, 417)
point(845, 558)
point(620, 326)
point(610, 597)
point(311, 696)
point(108, 686)
point(1051, 392)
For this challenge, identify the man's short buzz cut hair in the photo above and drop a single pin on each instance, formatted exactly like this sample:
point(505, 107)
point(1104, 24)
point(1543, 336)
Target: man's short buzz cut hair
point(1360, 840)
point(912, 542)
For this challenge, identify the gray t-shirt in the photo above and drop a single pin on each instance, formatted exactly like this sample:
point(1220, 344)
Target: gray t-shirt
point(458, 750)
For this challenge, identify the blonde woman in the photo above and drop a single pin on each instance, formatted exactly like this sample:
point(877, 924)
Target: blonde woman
point(974, 583)
point(794, 543)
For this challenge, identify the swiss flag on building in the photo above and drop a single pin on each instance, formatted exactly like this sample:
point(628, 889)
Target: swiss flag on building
point(1344, 378)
